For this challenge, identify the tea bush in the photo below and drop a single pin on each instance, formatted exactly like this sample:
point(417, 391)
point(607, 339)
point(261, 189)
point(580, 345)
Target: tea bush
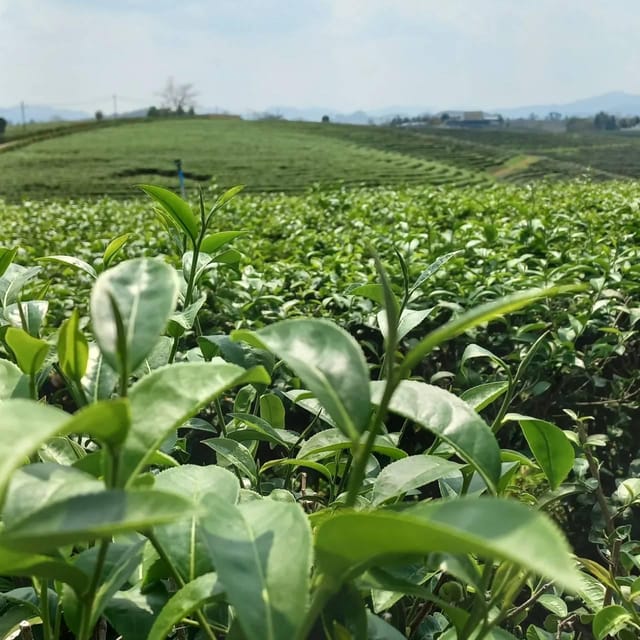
point(193, 448)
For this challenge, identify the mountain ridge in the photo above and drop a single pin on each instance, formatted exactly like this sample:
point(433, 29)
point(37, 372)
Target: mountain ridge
point(618, 103)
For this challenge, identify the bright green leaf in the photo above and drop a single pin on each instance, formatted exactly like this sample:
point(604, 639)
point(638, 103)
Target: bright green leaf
point(72, 261)
point(449, 418)
point(166, 398)
point(98, 515)
point(483, 395)
point(184, 602)
point(262, 553)
point(30, 352)
point(610, 620)
point(183, 539)
point(113, 247)
point(73, 348)
point(10, 377)
point(17, 443)
point(143, 294)
point(175, 209)
point(549, 445)
point(489, 527)
point(215, 241)
point(6, 258)
point(409, 473)
point(329, 362)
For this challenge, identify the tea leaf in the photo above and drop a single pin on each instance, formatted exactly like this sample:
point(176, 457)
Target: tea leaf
point(232, 453)
point(550, 447)
point(329, 362)
point(10, 377)
point(108, 421)
point(99, 378)
point(610, 620)
point(17, 443)
point(144, 292)
point(184, 602)
point(120, 562)
point(175, 209)
point(215, 241)
point(449, 418)
point(483, 395)
point(72, 261)
point(6, 258)
point(488, 527)
point(30, 352)
point(409, 473)
point(73, 348)
point(183, 539)
point(97, 515)
point(22, 563)
point(323, 444)
point(262, 552)
point(166, 398)
point(113, 247)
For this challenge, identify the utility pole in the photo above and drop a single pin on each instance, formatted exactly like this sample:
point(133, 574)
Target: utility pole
point(115, 105)
point(22, 114)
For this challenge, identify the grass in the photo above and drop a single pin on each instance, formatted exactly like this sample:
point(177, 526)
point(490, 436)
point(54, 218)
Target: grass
point(108, 158)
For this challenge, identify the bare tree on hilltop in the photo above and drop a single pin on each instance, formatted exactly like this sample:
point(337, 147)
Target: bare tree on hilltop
point(178, 97)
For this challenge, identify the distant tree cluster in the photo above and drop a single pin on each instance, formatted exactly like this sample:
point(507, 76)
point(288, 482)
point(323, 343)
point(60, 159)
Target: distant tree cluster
point(424, 118)
point(164, 112)
point(607, 122)
point(268, 115)
point(177, 100)
point(3, 126)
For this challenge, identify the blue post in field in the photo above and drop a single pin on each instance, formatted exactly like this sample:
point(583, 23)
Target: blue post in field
point(180, 176)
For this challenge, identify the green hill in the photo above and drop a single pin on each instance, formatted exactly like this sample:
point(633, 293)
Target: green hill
point(265, 155)
point(97, 158)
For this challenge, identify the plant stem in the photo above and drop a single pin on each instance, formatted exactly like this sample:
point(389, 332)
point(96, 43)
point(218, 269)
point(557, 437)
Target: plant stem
point(479, 609)
point(321, 596)
point(174, 350)
point(220, 414)
point(87, 609)
point(610, 527)
point(362, 452)
point(204, 625)
point(58, 623)
point(44, 610)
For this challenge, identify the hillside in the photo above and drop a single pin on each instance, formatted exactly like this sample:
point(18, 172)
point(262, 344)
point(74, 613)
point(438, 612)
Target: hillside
point(292, 156)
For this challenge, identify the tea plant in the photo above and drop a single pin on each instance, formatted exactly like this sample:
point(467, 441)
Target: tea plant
point(180, 480)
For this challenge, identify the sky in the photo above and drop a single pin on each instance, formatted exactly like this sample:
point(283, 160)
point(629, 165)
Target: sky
point(252, 55)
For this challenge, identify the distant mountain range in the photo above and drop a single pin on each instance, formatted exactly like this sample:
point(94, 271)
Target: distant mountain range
point(41, 113)
point(617, 103)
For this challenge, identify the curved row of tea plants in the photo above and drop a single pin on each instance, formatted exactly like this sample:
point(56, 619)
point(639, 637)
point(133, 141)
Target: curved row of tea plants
point(163, 476)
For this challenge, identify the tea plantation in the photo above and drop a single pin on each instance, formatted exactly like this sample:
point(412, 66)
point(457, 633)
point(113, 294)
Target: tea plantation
point(109, 157)
point(385, 412)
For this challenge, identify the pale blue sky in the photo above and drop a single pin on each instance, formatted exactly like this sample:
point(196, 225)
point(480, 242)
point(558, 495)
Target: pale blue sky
point(343, 54)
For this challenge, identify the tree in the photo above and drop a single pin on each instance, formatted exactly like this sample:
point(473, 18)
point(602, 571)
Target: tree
point(99, 115)
point(178, 97)
point(3, 126)
point(604, 121)
point(325, 119)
